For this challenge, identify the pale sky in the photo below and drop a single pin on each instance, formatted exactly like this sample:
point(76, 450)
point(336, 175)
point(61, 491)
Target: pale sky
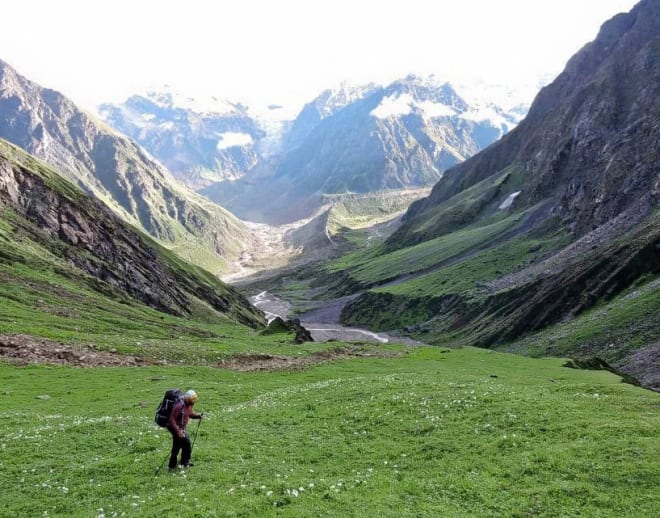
point(283, 51)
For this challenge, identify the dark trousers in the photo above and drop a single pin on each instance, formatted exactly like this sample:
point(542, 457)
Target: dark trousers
point(179, 444)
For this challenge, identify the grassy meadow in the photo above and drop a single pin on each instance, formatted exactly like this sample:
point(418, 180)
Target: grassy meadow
point(432, 432)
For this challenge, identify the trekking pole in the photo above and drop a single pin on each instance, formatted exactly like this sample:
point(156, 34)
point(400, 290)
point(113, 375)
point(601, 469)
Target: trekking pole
point(161, 465)
point(195, 438)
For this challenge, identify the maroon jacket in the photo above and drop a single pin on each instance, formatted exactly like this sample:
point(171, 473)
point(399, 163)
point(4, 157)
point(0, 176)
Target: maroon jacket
point(180, 415)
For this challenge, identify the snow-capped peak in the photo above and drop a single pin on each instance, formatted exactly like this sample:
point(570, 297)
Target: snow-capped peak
point(169, 98)
point(425, 96)
point(334, 99)
point(432, 98)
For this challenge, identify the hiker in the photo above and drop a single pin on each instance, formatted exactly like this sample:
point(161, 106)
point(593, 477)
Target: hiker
point(182, 411)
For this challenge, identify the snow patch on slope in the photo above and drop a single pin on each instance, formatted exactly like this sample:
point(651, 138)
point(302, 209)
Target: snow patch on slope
point(392, 106)
point(170, 98)
point(233, 139)
point(509, 201)
point(404, 104)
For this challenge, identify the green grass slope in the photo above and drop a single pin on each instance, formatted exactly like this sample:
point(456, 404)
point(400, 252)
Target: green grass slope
point(582, 167)
point(59, 244)
point(454, 433)
point(372, 267)
point(623, 331)
point(498, 294)
point(501, 284)
point(355, 211)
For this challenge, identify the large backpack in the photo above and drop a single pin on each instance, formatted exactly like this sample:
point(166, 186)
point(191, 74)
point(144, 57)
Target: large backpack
point(166, 405)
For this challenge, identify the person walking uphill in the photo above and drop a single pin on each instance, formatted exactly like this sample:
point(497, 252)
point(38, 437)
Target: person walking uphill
point(181, 413)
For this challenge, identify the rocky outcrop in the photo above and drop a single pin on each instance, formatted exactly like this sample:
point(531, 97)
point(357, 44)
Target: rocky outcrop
point(116, 259)
point(279, 325)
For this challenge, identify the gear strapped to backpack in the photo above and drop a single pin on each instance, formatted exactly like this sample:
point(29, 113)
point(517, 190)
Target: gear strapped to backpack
point(172, 396)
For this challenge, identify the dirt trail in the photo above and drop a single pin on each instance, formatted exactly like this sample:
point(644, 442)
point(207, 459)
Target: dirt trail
point(267, 362)
point(25, 350)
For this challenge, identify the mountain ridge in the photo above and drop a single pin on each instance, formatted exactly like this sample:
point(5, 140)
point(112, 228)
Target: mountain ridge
point(396, 137)
point(612, 60)
point(117, 171)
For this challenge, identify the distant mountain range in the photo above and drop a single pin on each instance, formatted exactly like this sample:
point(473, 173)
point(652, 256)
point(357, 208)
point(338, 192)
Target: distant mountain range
point(200, 141)
point(117, 171)
point(351, 139)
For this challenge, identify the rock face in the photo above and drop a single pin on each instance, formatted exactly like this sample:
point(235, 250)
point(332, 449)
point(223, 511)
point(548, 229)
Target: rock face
point(117, 171)
point(590, 139)
point(405, 135)
point(365, 140)
point(117, 258)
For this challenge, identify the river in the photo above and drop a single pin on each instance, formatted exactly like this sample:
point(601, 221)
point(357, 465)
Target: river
point(322, 323)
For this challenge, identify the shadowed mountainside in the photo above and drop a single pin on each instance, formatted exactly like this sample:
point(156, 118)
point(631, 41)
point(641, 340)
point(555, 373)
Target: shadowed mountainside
point(40, 209)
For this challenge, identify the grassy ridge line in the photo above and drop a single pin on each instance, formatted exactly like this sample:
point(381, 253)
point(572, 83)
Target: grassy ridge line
point(435, 433)
point(354, 211)
point(372, 270)
point(57, 183)
point(465, 277)
point(461, 210)
point(433, 300)
point(187, 241)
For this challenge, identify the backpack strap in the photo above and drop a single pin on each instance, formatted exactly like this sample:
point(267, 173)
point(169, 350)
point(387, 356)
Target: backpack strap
point(178, 404)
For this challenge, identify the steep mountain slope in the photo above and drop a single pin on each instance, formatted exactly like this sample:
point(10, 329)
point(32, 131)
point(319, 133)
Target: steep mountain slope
point(589, 140)
point(326, 104)
point(561, 215)
point(199, 142)
point(401, 136)
point(117, 171)
point(404, 135)
point(50, 225)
